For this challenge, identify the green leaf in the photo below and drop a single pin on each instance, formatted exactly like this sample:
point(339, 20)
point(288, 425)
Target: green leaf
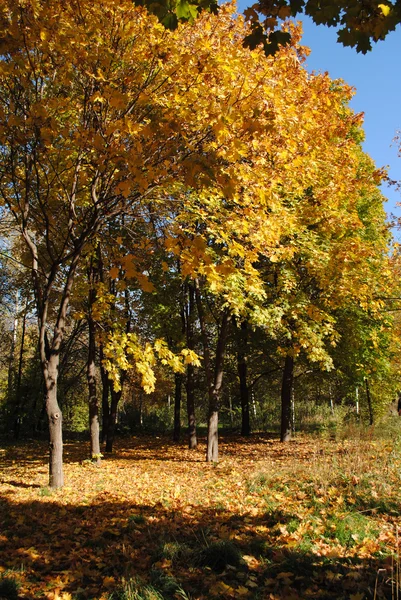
point(170, 21)
point(182, 10)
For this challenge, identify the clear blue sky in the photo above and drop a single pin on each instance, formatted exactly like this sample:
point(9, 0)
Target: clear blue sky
point(377, 79)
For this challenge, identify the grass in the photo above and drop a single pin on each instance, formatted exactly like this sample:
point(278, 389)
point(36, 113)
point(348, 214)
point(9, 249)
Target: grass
point(315, 518)
point(9, 587)
point(135, 590)
point(219, 555)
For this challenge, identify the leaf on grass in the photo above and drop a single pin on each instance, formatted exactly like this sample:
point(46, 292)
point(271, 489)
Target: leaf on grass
point(357, 596)
point(109, 582)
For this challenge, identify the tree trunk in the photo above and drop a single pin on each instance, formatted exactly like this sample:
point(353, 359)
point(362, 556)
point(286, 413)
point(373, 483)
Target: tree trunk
point(111, 425)
point(56, 476)
point(105, 397)
point(50, 359)
point(212, 452)
point(214, 381)
point(18, 403)
point(242, 367)
point(190, 380)
point(94, 427)
point(177, 406)
point(11, 360)
point(286, 390)
point(368, 396)
point(190, 389)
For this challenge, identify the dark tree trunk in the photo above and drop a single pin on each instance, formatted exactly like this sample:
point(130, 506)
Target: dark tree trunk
point(242, 366)
point(11, 360)
point(212, 452)
point(190, 380)
point(368, 396)
point(286, 392)
point(190, 389)
point(214, 380)
point(111, 425)
point(18, 403)
point(94, 427)
point(177, 406)
point(105, 398)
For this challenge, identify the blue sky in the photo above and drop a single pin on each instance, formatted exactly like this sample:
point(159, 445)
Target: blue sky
point(377, 79)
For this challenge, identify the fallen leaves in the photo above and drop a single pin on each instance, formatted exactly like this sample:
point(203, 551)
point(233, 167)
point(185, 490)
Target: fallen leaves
point(301, 525)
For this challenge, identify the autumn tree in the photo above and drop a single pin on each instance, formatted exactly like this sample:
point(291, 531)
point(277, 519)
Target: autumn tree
point(283, 248)
point(95, 117)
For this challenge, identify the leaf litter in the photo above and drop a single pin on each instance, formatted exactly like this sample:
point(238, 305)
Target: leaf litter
point(308, 519)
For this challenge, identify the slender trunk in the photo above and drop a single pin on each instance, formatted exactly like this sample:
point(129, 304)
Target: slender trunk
point(214, 382)
point(286, 389)
point(230, 408)
point(190, 389)
point(212, 453)
point(111, 425)
point(105, 397)
point(17, 420)
point(368, 396)
point(56, 476)
point(50, 359)
point(177, 406)
point(242, 366)
point(331, 400)
point(11, 360)
point(94, 426)
point(190, 380)
point(292, 410)
point(141, 409)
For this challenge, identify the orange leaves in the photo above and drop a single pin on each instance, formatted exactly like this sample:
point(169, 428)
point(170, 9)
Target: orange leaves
point(132, 517)
point(154, 507)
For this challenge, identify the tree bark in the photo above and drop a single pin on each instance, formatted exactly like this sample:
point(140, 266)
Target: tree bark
point(214, 379)
point(190, 380)
point(212, 453)
point(177, 406)
point(18, 403)
point(111, 425)
point(242, 366)
point(369, 399)
point(286, 390)
point(11, 360)
point(190, 389)
point(56, 475)
point(94, 427)
point(106, 384)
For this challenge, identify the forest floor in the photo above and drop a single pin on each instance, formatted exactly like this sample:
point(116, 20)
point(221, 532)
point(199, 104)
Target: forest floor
point(313, 518)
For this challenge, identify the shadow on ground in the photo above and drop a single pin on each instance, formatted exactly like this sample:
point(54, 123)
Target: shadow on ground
point(89, 550)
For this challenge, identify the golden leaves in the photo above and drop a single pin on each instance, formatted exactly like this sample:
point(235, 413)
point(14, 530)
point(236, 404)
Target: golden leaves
point(143, 498)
